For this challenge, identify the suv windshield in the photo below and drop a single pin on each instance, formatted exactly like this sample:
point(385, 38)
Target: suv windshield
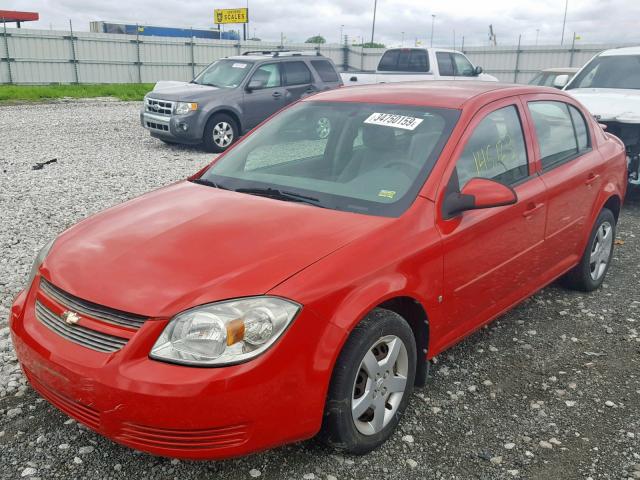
point(616, 71)
point(366, 158)
point(224, 73)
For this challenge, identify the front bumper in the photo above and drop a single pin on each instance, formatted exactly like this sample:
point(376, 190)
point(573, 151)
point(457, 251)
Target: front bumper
point(181, 411)
point(176, 128)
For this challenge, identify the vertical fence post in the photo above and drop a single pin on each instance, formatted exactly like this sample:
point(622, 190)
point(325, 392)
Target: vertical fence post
point(515, 72)
point(573, 44)
point(345, 54)
point(74, 60)
point(6, 49)
point(193, 58)
point(138, 62)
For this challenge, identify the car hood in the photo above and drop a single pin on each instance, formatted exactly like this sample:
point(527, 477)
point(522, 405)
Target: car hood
point(610, 104)
point(183, 91)
point(189, 244)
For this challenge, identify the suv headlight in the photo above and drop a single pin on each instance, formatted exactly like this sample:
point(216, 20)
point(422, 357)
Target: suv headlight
point(226, 332)
point(42, 254)
point(185, 107)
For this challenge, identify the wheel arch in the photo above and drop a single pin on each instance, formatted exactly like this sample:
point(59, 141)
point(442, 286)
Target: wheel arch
point(227, 111)
point(613, 203)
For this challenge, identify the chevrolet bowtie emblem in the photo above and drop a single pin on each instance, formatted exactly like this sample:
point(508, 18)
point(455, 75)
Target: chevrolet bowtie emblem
point(70, 318)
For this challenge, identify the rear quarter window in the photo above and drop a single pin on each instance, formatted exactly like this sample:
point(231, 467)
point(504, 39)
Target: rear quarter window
point(325, 70)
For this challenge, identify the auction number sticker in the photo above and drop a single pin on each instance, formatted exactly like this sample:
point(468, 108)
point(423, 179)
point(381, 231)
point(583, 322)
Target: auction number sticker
point(391, 120)
point(239, 65)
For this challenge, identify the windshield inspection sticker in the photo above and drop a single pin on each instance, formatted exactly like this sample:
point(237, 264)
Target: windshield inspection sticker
point(391, 120)
point(387, 193)
point(239, 65)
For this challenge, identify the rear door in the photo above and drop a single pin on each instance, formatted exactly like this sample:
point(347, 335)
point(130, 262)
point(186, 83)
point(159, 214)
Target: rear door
point(298, 80)
point(572, 172)
point(264, 101)
point(492, 257)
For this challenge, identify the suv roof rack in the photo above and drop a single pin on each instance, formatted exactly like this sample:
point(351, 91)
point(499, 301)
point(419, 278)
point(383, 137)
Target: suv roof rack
point(280, 53)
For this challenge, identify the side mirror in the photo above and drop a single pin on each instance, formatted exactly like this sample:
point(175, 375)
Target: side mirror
point(478, 193)
point(560, 81)
point(254, 84)
point(477, 71)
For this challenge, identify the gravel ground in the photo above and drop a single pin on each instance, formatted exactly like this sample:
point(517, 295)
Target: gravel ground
point(550, 390)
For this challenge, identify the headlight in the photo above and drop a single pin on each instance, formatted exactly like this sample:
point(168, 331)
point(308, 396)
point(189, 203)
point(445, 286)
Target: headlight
point(42, 254)
point(185, 107)
point(225, 332)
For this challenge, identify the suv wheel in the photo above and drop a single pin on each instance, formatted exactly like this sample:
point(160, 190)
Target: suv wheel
point(371, 384)
point(220, 133)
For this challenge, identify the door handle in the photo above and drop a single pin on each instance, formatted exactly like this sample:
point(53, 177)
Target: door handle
point(276, 94)
point(532, 208)
point(591, 179)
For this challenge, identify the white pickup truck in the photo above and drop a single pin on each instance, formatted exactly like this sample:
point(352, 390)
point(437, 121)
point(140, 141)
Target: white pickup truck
point(609, 86)
point(412, 64)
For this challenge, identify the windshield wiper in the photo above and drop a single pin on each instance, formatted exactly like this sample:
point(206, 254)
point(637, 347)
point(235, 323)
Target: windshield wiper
point(208, 183)
point(281, 195)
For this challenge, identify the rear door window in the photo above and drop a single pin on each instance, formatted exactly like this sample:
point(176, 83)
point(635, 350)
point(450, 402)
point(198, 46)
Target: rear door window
point(558, 138)
point(495, 150)
point(325, 71)
point(580, 125)
point(296, 73)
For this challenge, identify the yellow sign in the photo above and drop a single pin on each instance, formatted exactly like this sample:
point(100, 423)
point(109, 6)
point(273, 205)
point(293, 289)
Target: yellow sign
point(231, 15)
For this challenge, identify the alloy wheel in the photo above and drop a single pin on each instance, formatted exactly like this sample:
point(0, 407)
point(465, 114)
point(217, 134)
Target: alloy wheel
point(379, 385)
point(601, 250)
point(222, 134)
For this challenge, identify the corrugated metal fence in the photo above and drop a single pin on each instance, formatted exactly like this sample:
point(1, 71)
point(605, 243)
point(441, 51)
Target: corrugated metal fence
point(47, 56)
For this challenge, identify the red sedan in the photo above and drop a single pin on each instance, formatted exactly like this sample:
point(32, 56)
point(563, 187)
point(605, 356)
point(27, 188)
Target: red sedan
point(300, 283)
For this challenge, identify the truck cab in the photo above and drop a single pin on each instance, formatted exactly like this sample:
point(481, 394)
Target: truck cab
point(411, 64)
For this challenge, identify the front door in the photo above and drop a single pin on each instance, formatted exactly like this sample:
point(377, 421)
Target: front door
point(264, 94)
point(492, 257)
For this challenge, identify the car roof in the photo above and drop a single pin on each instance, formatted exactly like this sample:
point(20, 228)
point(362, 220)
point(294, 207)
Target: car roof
point(438, 93)
point(621, 51)
point(561, 70)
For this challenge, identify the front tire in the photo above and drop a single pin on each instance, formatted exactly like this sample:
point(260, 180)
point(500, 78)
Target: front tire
point(371, 384)
point(220, 133)
point(589, 274)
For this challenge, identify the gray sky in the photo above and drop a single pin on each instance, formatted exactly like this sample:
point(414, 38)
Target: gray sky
point(595, 21)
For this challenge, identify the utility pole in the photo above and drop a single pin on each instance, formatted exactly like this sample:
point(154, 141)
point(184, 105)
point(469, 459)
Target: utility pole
point(564, 22)
point(537, 33)
point(373, 26)
point(402, 42)
point(433, 19)
point(341, 33)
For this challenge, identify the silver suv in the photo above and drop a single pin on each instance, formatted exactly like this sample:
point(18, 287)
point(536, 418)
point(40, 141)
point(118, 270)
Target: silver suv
point(233, 95)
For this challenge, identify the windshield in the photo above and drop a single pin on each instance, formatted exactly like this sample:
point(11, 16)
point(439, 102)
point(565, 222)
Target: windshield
point(617, 71)
point(224, 73)
point(357, 157)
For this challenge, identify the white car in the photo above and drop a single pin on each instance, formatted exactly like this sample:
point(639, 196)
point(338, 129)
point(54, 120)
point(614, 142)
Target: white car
point(412, 64)
point(609, 86)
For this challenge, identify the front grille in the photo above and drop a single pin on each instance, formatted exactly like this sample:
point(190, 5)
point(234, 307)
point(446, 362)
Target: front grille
point(99, 341)
point(211, 438)
point(158, 126)
point(80, 412)
point(93, 310)
point(161, 107)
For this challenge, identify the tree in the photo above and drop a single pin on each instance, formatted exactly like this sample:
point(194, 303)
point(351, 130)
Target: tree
point(370, 45)
point(316, 39)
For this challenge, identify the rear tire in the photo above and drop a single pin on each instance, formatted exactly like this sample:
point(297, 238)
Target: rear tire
point(220, 133)
point(590, 273)
point(371, 384)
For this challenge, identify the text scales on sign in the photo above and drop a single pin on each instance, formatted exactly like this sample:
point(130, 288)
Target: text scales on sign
point(230, 15)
